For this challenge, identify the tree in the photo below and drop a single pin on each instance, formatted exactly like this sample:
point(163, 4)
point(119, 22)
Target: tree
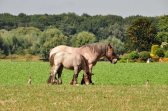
point(163, 25)
point(82, 38)
point(51, 38)
point(116, 43)
point(117, 31)
point(140, 35)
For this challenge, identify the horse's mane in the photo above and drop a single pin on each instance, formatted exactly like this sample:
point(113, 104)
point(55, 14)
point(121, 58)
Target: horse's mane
point(97, 47)
point(85, 64)
point(51, 59)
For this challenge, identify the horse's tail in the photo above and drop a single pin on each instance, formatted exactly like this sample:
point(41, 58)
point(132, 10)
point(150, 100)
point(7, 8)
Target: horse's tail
point(51, 59)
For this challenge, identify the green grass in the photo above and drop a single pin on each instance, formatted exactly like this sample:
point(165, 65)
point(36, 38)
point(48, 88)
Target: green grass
point(17, 73)
point(117, 87)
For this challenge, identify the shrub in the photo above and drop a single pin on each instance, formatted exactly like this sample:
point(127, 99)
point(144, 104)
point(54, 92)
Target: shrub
point(166, 54)
point(144, 55)
point(28, 57)
point(159, 52)
point(20, 51)
point(164, 45)
point(153, 49)
point(134, 55)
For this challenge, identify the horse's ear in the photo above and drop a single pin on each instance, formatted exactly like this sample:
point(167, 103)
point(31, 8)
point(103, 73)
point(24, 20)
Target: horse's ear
point(109, 46)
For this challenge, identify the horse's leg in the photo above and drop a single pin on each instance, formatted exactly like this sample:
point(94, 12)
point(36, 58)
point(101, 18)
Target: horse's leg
point(59, 75)
point(90, 70)
point(71, 82)
point(74, 79)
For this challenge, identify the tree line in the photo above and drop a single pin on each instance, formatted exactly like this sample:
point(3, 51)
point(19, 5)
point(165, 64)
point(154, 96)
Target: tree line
point(36, 34)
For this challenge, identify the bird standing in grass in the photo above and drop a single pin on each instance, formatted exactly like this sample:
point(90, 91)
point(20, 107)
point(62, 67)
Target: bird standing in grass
point(29, 82)
point(147, 82)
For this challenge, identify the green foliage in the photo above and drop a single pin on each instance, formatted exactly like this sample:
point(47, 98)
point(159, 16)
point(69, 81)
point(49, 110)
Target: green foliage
point(166, 54)
point(27, 30)
point(83, 38)
point(49, 39)
point(2, 55)
point(144, 55)
point(134, 55)
point(164, 46)
point(140, 35)
point(163, 23)
point(20, 51)
point(159, 52)
point(162, 36)
point(116, 43)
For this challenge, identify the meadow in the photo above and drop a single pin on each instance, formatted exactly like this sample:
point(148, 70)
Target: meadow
point(118, 86)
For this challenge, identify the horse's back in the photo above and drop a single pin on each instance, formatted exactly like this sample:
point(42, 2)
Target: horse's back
point(72, 58)
point(57, 49)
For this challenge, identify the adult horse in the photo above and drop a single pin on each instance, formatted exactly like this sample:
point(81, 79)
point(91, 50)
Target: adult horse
point(72, 61)
point(92, 52)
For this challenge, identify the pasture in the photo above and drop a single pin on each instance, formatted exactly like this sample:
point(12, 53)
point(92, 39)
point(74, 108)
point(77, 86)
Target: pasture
point(117, 87)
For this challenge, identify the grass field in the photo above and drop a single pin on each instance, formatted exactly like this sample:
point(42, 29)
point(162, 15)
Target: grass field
point(117, 87)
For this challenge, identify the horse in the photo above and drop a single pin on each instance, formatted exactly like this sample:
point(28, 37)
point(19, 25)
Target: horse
point(72, 61)
point(92, 52)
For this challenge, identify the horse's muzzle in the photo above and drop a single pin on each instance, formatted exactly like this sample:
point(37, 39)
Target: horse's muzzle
point(114, 61)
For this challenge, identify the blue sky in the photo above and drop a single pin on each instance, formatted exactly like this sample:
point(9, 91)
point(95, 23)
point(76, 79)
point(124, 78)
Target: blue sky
point(122, 8)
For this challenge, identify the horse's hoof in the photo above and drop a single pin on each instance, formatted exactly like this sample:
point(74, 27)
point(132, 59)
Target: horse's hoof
point(71, 83)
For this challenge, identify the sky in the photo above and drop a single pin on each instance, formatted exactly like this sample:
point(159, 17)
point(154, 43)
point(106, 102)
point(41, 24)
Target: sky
point(122, 8)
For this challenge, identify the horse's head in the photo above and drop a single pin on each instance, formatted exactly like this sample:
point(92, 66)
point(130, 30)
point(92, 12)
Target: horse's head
point(52, 79)
point(111, 55)
point(86, 78)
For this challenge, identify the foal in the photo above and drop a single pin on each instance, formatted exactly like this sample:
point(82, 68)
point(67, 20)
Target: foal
point(70, 61)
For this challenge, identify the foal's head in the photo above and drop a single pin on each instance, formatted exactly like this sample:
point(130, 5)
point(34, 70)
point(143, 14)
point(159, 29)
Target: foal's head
point(52, 79)
point(111, 55)
point(86, 78)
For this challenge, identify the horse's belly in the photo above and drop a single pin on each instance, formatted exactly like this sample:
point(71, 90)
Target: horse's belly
point(68, 65)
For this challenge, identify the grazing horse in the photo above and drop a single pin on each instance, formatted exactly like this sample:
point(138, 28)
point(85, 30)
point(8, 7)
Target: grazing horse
point(92, 52)
point(72, 61)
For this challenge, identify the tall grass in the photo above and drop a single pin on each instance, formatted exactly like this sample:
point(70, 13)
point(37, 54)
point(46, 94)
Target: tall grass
point(91, 97)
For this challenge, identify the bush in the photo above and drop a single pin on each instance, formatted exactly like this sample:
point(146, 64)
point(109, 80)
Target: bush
point(153, 49)
point(166, 54)
point(144, 55)
point(159, 52)
point(164, 45)
point(28, 57)
point(20, 51)
point(134, 55)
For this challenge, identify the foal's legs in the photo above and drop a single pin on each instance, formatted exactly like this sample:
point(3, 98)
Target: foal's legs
point(75, 76)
